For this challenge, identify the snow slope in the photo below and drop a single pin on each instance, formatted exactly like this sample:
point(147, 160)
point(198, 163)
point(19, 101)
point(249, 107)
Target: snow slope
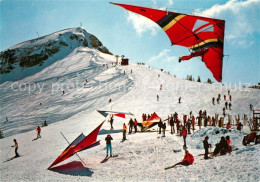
point(144, 155)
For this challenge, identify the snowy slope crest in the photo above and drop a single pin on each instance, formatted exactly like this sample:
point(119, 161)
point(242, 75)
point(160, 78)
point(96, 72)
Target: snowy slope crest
point(30, 57)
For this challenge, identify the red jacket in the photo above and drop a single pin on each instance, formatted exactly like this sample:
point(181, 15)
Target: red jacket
point(189, 158)
point(135, 122)
point(38, 129)
point(184, 132)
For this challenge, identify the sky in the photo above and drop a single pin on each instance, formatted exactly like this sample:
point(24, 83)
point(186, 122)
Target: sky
point(140, 39)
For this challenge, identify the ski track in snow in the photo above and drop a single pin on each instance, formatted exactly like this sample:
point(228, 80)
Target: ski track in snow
point(143, 156)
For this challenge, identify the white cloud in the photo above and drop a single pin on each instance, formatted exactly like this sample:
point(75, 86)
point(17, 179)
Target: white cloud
point(142, 24)
point(163, 56)
point(170, 2)
point(242, 19)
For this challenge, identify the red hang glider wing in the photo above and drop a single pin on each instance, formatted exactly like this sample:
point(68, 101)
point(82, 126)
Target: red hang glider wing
point(193, 32)
point(80, 143)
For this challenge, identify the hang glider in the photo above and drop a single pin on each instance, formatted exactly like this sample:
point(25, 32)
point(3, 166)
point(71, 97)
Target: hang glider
point(81, 143)
point(118, 114)
point(150, 122)
point(203, 36)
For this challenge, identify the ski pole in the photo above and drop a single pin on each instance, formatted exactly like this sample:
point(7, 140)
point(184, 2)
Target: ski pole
point(8, 153)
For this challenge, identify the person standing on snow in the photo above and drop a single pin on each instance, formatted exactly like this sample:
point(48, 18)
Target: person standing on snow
point(226, 104)
point(111, 122)
point(184, 134)
point(230, 97)
point(131, 124)
point(38, 132)
point(213, 100)
point(108, 145)
point(229, 105)
point(163, 129)
point(124, 132)
point(160, 124)
point(172, 125)
point(206, 147)
point(193, 123)
point(135, 125)
point(16, 148)
point(179, 100)
point(188, 126)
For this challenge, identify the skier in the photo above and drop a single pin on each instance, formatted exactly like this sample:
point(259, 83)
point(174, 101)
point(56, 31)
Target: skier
point(160, 126)
point(221, 147)
point(224, 109)
point(184, 134)
point(199, 121)
point(205, 121)
point(225, 97)
point(157, 97)
point(108, 145)
point(213, 100)
point(206, 147)
point(229, 144)
point(230, 97)
point(6, 119)
point(135, 125)
point(44, 123)
point(184, 120)
point(172, 125)
point(228, 92)
point(179, 100)
point(38, 132)
point(16, 148)
point(124, 132)
point(226, 104)
point(131, 124)
point(219, 96)
point(188, 126)
point(163, 129)
point(251, 107)
point(229, 105)
point(228, 125)
point(63, 92)
point(144, 117)
point(193, 123)
point(217, 100)
point(110, 100)
point(111, 122)
point(187, 160)
point(239, 126)
point(161, 87)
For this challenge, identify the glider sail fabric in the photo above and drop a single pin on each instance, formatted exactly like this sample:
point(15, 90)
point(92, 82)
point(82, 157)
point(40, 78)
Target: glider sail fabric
point(194, 32)
point(150, 122)
point(82, 142)
point(118, 114)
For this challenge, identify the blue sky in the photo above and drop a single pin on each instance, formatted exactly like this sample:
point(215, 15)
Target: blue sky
point(138, 38)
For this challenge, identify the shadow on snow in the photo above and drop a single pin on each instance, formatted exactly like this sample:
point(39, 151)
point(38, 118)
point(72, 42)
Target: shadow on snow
point(74, 168)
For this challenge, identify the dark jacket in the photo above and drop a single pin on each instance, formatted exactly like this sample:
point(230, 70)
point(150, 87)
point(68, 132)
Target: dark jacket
point(205, 144)
point(108, 140)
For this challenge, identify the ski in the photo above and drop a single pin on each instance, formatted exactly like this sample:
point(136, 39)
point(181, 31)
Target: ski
point(169, 167)
point(106, 158)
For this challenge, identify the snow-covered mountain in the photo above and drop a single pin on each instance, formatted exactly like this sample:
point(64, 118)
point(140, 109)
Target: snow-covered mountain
point(30, 57)
point(89, 79)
